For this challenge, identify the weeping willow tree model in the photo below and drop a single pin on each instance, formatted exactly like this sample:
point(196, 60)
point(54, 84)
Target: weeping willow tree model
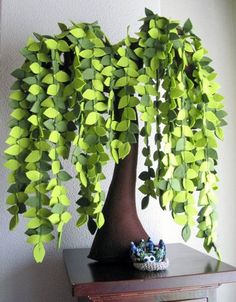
point(77, 96)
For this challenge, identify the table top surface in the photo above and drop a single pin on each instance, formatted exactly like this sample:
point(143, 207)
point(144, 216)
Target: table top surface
point(188, 267)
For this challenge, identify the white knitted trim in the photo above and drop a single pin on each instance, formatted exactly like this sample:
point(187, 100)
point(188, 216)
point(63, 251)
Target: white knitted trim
point(152, 266)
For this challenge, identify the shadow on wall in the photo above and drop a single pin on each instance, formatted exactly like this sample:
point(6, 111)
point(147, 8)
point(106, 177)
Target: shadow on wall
point(45, 282)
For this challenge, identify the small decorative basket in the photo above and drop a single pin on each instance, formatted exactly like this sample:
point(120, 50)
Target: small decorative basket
point(146, 256)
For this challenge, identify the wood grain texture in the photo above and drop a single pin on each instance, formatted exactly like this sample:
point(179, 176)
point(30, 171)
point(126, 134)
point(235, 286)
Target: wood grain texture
point(191, 277)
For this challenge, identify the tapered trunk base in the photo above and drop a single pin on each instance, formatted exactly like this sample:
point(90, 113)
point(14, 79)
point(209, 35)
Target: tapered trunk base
point(122, 225)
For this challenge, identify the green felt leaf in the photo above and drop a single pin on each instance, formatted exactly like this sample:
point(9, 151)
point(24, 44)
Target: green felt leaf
point(181, 196)
point(33, 239)
point(35, 89)
point(13, 150)
point(82, 220)
point(36, 68)
point(124, 101)
point(124, 150)
point(186, 233)
point(154, 33)
point(53, 89)
point(33, 157)
point(18, 114)
point(48, 79)
point(64, 176)
point(181, 219)
point(88, 74)
point(167, 197)
point(13, 222)
point(78, 32)
point(89, 94)
point(51, 113)
point(176, 92)
point(62, 76)
point(56, 166)
point(123, 126)
point(100, 106)
point(92, 118)
point(188, 25)
point(98, 85)
point(33, 119)
point(16, 132)
point(17, 95)
point(34, 175)
point(51, 44)
point(34, 223)
point(100, 220)
point(66, 217)
point(198, 55)
point(12, 164)
point(63, 46)
point(87, 54)
point(123, 62)
point(39, 252)
point(54, 136)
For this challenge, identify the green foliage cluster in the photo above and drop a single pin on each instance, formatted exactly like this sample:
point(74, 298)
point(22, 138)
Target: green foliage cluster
point(79, 97)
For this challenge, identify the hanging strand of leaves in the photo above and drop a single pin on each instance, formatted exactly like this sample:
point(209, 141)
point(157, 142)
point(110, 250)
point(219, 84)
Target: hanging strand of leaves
point(79, 97)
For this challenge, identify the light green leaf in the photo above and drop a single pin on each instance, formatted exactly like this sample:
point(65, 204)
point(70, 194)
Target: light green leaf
point(92, 118)
point(51, 112)
point(181, 197)
point(167, 197)
point(89, 94)
point(123, 126)
point(98, 85)
point(16, 132)
point(123, 62)
point(36, 68)
point(78, 32)
point(34, 223)
point(176, 92)
point(33, 119)
point(63, 46)
point(54, 136)
point(180, 219)
point(66, 217)
point(17, 95)
point(87, 53)
point(35, 89)
point(33, 239)
point(154, 33)
point(51, 44)
point(124, 101)
point(56, 166)
point(39, 252)
point(62, 76)
point(48, 79)
point(100, 106)
point(13, 150)
point(12, 164)
point(54, 218)
point(33, 157)
point(198, 55)
point(53, 89)
point(34, 175)
point(100, 220)
point(18, 114)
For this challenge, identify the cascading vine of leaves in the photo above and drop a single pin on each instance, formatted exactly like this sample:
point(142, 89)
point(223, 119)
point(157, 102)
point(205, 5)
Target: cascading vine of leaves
point(64, 105)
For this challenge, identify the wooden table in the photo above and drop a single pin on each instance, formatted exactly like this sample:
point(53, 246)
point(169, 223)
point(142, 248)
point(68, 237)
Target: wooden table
point(192, 276)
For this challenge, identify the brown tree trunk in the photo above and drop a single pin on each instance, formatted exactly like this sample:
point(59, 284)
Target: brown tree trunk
point(122, 225)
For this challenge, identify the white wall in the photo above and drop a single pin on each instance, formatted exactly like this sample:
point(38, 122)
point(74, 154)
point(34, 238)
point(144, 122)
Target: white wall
point(214, 22)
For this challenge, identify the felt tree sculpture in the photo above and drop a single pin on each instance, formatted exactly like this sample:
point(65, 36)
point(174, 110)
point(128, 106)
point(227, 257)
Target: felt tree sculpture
point(78, 97)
